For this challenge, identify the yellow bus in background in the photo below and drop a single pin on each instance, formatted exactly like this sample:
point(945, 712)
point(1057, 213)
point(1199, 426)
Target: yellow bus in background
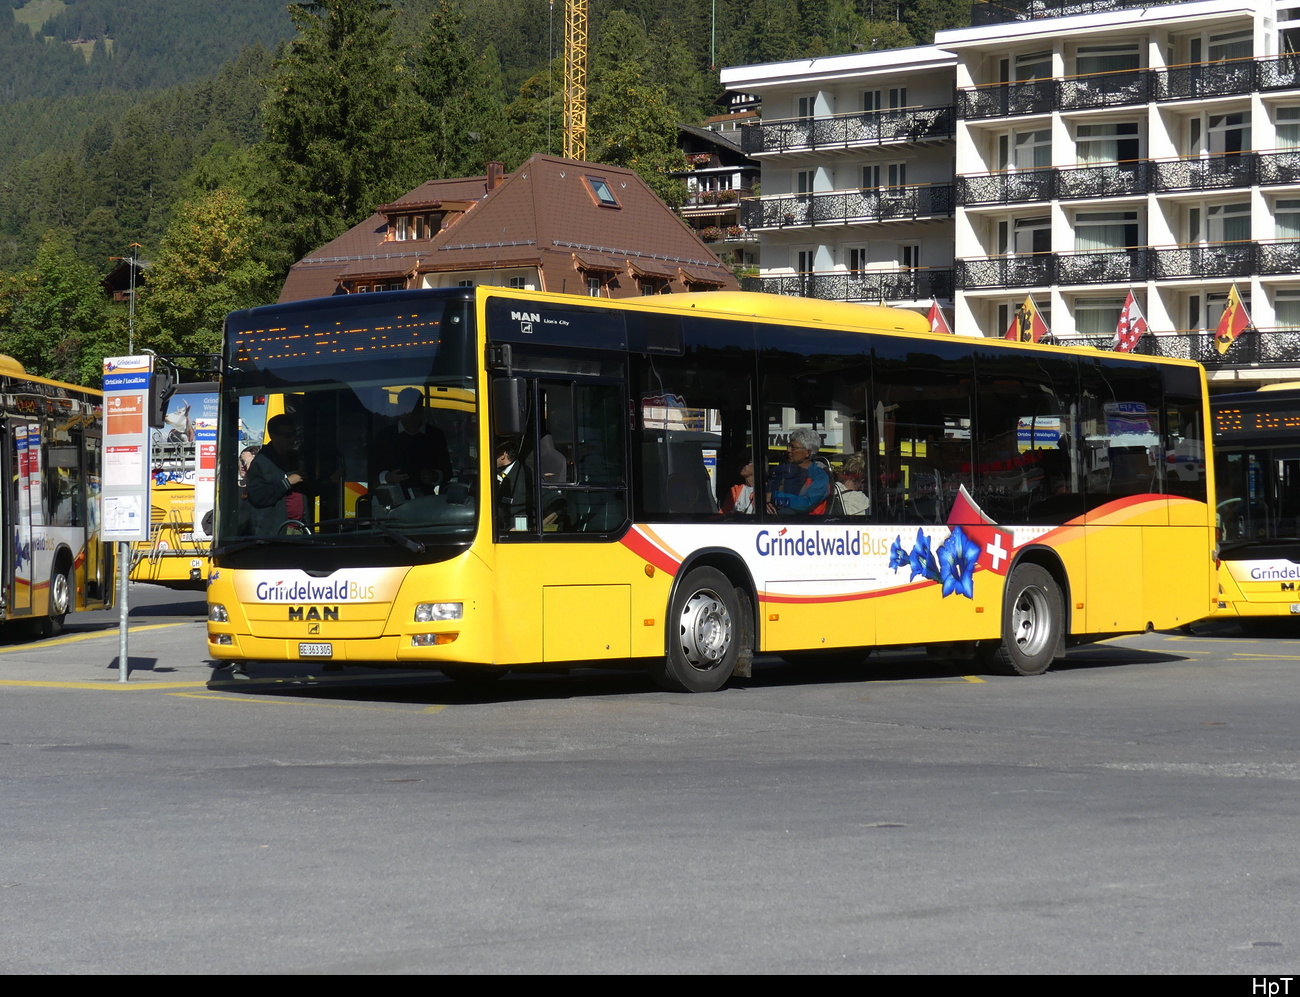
point(1257, 475)
point(182, 467)
point(1014, 498)
point(52, 560)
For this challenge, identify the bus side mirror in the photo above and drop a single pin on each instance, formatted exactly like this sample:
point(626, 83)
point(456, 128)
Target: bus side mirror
point(509, 405)
point(161, 388)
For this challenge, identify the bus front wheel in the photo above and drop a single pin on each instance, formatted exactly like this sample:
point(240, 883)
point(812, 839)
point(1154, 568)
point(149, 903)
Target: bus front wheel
point(60, 602)
point(704, 630)
point(1033, 623)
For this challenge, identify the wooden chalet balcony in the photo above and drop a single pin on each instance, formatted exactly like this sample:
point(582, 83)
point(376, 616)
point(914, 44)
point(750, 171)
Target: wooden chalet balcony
point(1129, 87)
point(844, 207)
point(1210, 261)
point(854, 130)
point(872, 286)
point(1278, 347)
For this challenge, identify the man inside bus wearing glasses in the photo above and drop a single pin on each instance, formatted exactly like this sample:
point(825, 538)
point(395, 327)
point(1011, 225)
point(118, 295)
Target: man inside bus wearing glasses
point(413, 452)
point(800, 485)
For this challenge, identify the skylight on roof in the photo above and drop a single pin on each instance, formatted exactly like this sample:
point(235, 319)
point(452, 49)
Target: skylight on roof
point(601, 191)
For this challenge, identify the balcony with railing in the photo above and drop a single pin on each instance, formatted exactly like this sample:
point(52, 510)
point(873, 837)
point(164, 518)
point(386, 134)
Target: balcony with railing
point(1128, 87)
point(713, 201)
point(858, 129)
point(1275, 347)
point(1005, 11)
point(1210, 261)
point(1161, 176)
point(843, 207)
point(871, 286)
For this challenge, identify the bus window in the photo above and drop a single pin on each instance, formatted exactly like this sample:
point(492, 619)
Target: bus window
point(1122, 449)
point(1026, 456)
point(922, 430)
point(696, 429)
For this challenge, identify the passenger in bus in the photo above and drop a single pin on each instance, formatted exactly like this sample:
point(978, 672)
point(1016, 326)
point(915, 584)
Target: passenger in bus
point(800, 485)
point(413, 451)
point(741, 497)
point(275, 483)
point(513, 487)
point(849, 499)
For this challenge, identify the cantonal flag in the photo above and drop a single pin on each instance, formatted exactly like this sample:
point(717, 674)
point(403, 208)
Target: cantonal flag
point(1233, 323)
point(1132, 326)
point(1027, 325)
point(937, 322)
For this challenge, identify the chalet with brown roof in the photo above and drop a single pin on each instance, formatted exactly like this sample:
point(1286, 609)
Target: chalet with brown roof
point(552, 225)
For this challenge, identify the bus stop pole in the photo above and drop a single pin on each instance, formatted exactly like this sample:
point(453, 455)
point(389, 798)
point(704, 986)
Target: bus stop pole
point(124, 570)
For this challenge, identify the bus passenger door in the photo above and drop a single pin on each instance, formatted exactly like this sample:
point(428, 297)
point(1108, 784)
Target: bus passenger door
point(17, 521)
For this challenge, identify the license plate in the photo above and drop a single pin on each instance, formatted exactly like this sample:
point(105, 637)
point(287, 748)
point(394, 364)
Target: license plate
point(315, 650)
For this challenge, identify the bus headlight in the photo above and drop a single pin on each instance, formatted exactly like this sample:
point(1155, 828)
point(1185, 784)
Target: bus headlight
point(217, 613)
point(223, 639)
point(434, 612)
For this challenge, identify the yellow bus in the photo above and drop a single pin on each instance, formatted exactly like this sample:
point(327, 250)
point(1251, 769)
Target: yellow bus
point(1257, 474)
point(51, 445)
point(581, 506)
point(182, 466)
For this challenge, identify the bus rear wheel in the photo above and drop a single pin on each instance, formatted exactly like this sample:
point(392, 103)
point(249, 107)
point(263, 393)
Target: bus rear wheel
point(1033, 623)
point(704, 630)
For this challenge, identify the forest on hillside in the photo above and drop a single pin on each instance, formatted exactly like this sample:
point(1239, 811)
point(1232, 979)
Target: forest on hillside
point(227, 138)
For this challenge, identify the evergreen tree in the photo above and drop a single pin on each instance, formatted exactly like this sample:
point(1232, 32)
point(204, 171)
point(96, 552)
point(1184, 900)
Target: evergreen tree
point(632, 124)
point(337, 124)
point(462, 117)
point(52, 312)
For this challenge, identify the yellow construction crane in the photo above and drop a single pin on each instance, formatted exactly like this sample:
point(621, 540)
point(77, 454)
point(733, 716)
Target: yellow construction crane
point(575, 79)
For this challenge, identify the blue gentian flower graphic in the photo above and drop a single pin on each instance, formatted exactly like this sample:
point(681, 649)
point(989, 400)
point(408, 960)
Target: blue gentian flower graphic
point(897, 556)
point(922, 560)
point(957, 559)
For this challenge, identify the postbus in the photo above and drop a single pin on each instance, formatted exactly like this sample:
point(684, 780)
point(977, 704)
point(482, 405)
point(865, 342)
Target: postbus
point(1019, 498)
point(53, 561)
point(1257, 474)
point(181, 492)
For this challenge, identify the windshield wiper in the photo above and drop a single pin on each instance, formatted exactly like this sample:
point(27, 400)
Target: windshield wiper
point(414, 546)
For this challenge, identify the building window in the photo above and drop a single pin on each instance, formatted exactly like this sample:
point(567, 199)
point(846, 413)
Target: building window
point(1286, 218)
point(594, 286)
point(884, 175)
point(1112, 142)
point(519, 283)
point(401, 222)
point(601, 191)
point(1097, 316)
point(856, 259)
point(1025, 150)
point(804, 181)
point(1097, 231)
point(1218, 223)
point(1022, 236)
point(1106, 58)
point(1286, 308)
point(464, 283)
point(1288, 127)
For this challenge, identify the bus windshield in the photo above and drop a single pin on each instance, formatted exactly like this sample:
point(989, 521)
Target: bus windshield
point(352, 426)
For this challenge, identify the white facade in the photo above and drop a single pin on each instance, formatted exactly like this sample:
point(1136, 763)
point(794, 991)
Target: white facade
point(1152, 149)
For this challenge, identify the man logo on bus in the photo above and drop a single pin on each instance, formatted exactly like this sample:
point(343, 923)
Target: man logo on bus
point(317, 613)
point(526, 320)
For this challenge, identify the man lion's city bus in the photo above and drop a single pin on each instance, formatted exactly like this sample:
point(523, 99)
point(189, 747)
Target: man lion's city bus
point(1257, 475)
point(1015, 498)
point(182, 466)
point(51, 446)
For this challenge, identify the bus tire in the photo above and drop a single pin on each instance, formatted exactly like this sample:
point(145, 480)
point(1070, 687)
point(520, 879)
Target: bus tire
point(1033, 623)
point(704, 634)
point(60, 601)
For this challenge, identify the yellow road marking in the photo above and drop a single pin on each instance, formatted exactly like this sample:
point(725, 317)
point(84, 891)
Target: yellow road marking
point(1275, 657)
point(113, 684)
point(74, 638)
point(973, 678)
point(297, 702)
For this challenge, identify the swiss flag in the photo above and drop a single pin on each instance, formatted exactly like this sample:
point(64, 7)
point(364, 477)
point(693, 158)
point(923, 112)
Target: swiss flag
point(996, 544)
point(937, 322)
